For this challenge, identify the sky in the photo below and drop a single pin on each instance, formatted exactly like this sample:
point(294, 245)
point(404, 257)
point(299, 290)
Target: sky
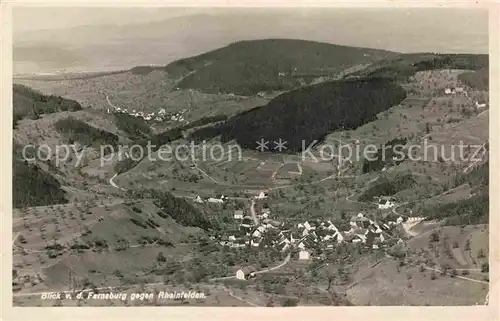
point(32, 18)
point(110, 38)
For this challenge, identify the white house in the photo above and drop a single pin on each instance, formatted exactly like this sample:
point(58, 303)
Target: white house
point(459, 89)
point(385, 203)
point(262, 195)
point(448, 91)
point(198, 199)
point(399, 220)
point(231, 238)
point(285, 247)
point(340, 238)
point(304, 255)
point(215, 200)
point(480, 105)
point(238, 215)
point(245, 273)
point(256, 233)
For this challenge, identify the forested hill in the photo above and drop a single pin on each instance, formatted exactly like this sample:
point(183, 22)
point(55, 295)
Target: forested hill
point(31, 185)
point(309, 113)
point(249, 67)
point(30, 103)
point(405, 65)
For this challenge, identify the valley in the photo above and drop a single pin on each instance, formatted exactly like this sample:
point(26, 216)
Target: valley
point(256, 196)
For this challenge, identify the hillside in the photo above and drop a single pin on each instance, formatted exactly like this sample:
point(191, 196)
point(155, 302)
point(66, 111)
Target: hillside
point(405, 65)
point(388, 187)
point(249, 67)
point(473, 210)
point(31, 186)
point(28, 102)
point(78, 131)
point(478, 79)
point(301, 116)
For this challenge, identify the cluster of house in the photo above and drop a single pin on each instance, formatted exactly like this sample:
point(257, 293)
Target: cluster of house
point(306, 235)
point(450, 91)
point(160, 116)
point(309, 235)
point(461, 90)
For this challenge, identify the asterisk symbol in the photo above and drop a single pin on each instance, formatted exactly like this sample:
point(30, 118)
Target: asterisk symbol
point(280, 145)
point(262, 145)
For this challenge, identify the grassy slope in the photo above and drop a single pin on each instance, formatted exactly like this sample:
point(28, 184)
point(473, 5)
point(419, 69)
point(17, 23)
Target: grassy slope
point(478, 79)
point(406, 65)
point(473, 210)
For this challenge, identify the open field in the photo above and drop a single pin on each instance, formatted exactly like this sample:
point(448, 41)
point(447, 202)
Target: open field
point(144, 93)
point(390, 284)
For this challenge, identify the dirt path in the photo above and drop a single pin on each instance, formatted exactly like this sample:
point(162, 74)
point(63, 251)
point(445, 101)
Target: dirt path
point(112, 183)
point(252, 212)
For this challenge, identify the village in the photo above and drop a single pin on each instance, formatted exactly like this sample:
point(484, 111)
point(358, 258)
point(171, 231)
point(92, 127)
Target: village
point(258, 229)
point(162, 114)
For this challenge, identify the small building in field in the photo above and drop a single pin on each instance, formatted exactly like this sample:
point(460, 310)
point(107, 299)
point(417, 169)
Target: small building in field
point(198, 199)
point(245, 273)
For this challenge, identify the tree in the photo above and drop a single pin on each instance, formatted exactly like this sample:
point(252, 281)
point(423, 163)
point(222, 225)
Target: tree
point(480, 254)
point(434, 236)
point(485, 267)
point(467, 245)
point(289, 303)
point(161, 258)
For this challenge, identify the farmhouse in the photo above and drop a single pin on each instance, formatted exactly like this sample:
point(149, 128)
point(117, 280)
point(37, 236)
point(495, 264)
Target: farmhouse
point(304, 255)
point(215, 200)
point(385, 202)
point(198, 199)
point(245, 273)
point(480, 104)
